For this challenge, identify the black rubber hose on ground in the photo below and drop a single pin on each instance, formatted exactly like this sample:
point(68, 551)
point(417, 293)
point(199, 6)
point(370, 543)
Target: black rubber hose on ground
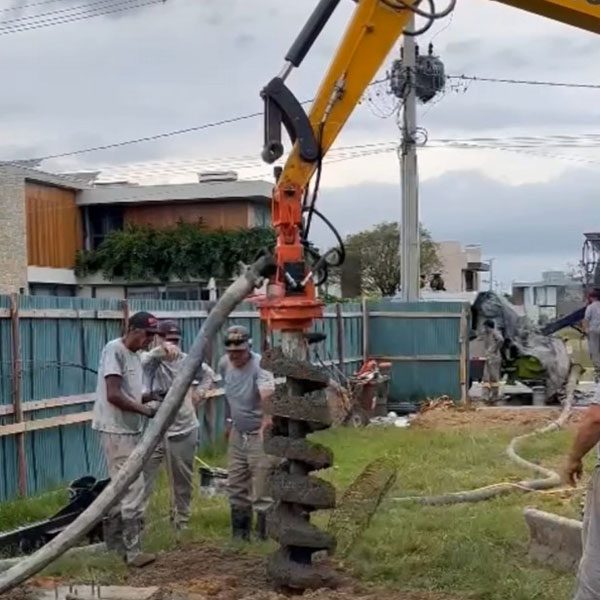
point(235, 294)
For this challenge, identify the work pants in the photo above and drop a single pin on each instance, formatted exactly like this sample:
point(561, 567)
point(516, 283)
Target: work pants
point(588, 576)
point(594, 349)
point(125, 517)
point(491, 380)
point(249, 472)
point(179, 452)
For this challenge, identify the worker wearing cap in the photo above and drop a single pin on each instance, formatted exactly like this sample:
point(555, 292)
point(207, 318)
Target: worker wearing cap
point(118, 416)
point(492, 343)
point(178, 448)
point(591, 326)
point(247, 387)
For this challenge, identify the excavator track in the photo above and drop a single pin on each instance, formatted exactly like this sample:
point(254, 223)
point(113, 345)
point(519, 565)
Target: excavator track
point(299, 408)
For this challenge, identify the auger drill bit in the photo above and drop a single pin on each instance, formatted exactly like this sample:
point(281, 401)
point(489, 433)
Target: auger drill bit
point(300, 407)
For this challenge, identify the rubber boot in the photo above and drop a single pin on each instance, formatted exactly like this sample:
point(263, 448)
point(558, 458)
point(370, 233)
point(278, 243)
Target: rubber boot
point(112, 530)
point(132, 538)
point(261, 526)
point(241, 522)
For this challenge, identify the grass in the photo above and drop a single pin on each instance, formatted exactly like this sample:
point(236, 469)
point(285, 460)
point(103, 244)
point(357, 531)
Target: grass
point(476, 551)
point(19, 512)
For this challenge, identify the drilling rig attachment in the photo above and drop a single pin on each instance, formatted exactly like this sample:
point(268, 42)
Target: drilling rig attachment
point(300, 407)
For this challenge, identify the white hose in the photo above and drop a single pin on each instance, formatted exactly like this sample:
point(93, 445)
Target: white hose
point(157, 427)
point(549, 480)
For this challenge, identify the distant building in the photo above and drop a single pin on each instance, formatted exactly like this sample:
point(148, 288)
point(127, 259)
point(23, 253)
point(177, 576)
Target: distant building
point(48, 218)
point(461, 267)
point(554, 296)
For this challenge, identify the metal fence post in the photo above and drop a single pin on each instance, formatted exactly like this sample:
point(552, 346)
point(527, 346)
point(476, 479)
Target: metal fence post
point(125, 309)
point(365, 330)
point(340, 335)
point(17, 400)
point(464, 358)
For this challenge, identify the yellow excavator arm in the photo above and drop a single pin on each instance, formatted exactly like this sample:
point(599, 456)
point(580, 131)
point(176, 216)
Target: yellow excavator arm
point(374, 28)
point(584, 14)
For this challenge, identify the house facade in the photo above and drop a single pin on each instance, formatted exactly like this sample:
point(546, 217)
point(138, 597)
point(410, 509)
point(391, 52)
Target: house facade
point(461, 266)
point(554, 296)
point(47, 219)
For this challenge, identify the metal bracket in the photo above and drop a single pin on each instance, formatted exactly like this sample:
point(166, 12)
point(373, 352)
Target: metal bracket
point(281, 106)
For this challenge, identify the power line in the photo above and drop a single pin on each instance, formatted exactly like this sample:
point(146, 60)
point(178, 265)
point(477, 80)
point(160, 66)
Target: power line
point(128, 5)
point(532, 82)
point(165, 134)
point(71, 9)
point(28, 5)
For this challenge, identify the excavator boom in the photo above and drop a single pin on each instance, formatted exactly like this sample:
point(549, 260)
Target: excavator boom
point(583, 14)
point(291, 304)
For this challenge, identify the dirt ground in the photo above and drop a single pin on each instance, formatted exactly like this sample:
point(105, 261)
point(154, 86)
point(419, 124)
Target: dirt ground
point(199, 572)
point(203, 572)
point(444, 416)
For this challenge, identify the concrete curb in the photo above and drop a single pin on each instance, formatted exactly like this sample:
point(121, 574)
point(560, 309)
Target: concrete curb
point(554, 541)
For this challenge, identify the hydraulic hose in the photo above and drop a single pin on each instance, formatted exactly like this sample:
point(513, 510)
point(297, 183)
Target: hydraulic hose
point(157, 427)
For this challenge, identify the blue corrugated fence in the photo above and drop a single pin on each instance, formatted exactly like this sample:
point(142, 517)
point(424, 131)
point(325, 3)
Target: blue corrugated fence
point(60, 340)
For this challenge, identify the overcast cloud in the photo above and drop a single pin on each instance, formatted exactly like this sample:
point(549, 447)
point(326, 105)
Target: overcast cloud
point(186, 62)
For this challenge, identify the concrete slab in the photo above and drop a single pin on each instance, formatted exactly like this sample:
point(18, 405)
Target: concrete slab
point(95, 592)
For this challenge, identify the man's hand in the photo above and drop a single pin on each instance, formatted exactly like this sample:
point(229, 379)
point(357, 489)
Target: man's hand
point(267, 421)
point(148, 410)
point(198, 397)
point(150, 397)
point(171, 351)
point(573, 471)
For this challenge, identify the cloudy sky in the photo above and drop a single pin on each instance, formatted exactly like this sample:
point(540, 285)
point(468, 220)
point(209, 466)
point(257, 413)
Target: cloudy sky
point(182, 63)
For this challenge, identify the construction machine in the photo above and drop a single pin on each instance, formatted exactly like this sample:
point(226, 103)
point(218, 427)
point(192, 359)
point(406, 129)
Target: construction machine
point(291, 304)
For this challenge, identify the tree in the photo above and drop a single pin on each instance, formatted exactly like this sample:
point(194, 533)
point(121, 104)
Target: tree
point(185, 251)
point(379, 252)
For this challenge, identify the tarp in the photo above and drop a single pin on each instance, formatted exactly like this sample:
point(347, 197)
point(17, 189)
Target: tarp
point(525, 337)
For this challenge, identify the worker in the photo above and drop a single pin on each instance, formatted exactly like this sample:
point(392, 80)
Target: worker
point(492, 346)
point(247, 387)
point(588, 436)
point(591, 326)
point(437, 283)
point(178, 448)
point(118, 417)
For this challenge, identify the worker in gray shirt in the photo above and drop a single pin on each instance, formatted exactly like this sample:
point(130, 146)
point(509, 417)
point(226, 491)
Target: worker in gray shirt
point(247, 387)
point(118, 416)
point(591, 325)
point(178, 448)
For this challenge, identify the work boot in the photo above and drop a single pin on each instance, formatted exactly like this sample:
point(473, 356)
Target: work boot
point(112, 531)
point(132, 539)
point(261, 526)
point(241, 522)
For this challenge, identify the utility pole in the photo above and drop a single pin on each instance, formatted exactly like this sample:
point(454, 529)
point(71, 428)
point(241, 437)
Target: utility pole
point(409, 229)
point(492, 274)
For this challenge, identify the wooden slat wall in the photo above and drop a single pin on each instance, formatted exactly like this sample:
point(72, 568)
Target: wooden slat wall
point(226, 215)
point(54, 233)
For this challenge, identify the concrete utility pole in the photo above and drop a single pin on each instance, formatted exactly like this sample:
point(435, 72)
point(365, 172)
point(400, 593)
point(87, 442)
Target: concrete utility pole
point(491, 261)
point(409, 229)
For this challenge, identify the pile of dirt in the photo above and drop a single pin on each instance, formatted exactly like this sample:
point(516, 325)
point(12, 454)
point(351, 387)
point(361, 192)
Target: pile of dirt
point(448, 416)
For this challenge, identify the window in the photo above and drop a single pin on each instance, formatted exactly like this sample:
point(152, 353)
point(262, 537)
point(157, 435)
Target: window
point(101, 221)
point(142, 293)
point(182, 293)
point(469, 281)
point(45, 289)
point(539, 296)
